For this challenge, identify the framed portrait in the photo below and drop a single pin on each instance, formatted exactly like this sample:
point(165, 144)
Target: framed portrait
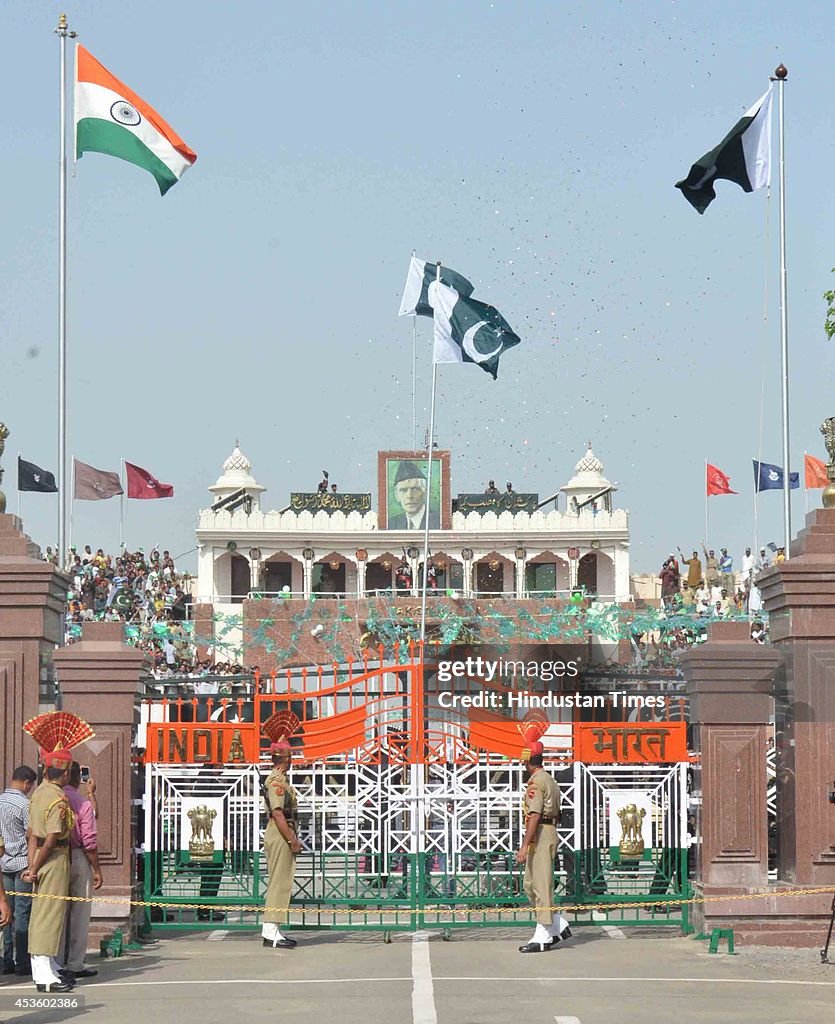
point(406, 494)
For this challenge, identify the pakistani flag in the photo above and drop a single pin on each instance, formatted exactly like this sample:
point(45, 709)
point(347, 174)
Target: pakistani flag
point(743, 156)
point(421, 276)
point(466, 330)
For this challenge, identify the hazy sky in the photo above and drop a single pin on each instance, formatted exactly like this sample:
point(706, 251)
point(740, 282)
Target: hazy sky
point(533, 147)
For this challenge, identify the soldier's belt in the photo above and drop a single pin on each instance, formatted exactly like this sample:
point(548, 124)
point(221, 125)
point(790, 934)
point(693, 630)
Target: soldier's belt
point(547, 821)
point(58, 842)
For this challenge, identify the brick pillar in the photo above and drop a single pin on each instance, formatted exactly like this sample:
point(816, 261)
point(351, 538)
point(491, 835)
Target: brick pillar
point(32, 606)
point(799, 596)
point(729, 681)
point(100, 680)
point(203, 617)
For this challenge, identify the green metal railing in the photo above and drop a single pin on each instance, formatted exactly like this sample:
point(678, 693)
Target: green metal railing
point(407, 892)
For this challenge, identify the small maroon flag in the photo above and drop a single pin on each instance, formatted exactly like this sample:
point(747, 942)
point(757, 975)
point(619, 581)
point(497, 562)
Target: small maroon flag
point(142, 484)
point(91, 484)
point(717, 481)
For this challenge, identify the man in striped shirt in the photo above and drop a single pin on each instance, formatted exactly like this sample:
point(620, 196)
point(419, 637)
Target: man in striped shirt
point(14, 824)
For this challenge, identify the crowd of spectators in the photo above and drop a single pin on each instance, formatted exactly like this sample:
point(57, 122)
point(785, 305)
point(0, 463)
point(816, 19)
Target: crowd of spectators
point(714, 588)
point(146, 592)
point(661, 648)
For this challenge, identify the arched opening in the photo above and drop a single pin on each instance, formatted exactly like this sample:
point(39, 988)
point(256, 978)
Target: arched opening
point(493, 574)
point(278, 572)
point(587, 573)
point(605, 576)
point(329, 575)
point(379, 574)
point(546, 575)
point(240, 578)
point(449, 572)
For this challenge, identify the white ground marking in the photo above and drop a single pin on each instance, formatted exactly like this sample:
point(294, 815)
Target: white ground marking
point(567, 1020)
point(630, 980)
point(611, 932)
point(217, 936)
point(423, 992)
point(148, 983)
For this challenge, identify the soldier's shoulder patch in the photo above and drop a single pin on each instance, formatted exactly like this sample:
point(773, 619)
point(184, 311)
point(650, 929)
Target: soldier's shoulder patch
point(278, 788)
point(531, 792)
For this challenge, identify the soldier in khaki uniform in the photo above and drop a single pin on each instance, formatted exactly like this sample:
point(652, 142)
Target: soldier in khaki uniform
point(541, 807)
point(281, 844)
point(51, 821)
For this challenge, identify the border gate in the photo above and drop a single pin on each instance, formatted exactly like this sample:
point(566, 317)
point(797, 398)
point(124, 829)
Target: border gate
point(411, 816)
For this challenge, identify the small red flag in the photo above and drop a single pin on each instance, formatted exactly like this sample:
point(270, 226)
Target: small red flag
point(717, 481)
point(815, 472)
point(142, 484)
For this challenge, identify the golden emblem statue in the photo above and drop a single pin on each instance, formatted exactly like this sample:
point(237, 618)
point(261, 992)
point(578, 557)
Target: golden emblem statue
point(631, 841)
point(201, 846)
point(4, 433)
point(828, 431)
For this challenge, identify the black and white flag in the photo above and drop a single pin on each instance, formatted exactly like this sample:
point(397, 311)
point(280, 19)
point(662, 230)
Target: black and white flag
point(466, 330)
point(32, 478)
point(743, 156)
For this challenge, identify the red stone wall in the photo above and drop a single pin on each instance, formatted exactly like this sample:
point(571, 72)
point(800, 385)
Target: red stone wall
point(344, 625)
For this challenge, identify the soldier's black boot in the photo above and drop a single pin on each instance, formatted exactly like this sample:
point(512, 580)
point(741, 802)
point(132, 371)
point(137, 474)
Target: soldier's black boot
point(536, 947)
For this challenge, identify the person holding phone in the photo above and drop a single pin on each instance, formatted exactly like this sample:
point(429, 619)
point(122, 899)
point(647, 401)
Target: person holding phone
point(85, 876)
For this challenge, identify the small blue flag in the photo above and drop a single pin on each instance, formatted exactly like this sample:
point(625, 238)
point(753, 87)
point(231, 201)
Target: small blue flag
point(770, 478)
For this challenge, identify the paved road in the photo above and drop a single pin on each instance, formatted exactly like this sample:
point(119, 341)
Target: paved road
point(477, 978)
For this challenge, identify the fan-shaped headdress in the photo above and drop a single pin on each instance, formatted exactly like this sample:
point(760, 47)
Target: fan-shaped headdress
point(534, 725)
point(57, 732)
point(278, 728)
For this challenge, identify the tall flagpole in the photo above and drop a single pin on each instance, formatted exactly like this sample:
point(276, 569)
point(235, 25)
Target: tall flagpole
point(122, 508)
point(72, 503)
point(62, 31)
point(805, 486)
point(414, 372)
point(756, 519)
point(18, 487)
point(428, 491)
point(707, 519)
point(780, 75)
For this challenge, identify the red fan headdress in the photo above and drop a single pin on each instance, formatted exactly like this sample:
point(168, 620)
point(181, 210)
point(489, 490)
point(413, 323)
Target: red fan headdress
point(279, 728)
point(534, 725)
point(56, 733)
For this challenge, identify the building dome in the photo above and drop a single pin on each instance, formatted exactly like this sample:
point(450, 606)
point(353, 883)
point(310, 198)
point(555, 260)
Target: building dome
point(237, 461)
point(588, 485)
point(237, 475)
point(589, 463)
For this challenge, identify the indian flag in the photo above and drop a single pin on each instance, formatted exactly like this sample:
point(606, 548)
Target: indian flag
point(110, 118)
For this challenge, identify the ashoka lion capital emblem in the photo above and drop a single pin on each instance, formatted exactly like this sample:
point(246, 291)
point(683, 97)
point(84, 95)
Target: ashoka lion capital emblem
point(828, 431)
point(201, 846)
point(631, 841)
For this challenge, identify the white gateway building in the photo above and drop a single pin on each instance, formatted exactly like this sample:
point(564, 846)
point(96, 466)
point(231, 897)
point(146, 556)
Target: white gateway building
point(497, 544)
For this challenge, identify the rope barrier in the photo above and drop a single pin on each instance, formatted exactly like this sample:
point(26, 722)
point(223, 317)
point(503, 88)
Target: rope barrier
point(651, 901)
